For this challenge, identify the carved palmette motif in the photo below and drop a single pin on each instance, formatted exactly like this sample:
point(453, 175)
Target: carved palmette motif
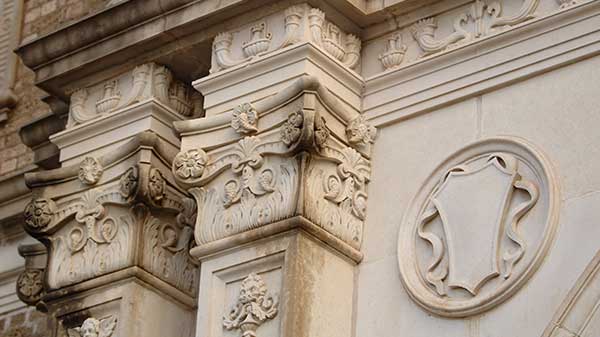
point(253, 308)
point(259, 181)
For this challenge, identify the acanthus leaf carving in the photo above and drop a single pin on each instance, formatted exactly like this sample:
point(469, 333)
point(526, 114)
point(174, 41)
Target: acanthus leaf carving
point(348, 187)
point(93, 327)
point(359, 132)
point(253, 308)
point(168, 246)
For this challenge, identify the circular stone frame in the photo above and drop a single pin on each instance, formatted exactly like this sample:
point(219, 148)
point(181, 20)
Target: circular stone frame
point(411, 276)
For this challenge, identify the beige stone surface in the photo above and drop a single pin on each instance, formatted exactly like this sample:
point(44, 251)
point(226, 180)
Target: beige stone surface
point(343, 168)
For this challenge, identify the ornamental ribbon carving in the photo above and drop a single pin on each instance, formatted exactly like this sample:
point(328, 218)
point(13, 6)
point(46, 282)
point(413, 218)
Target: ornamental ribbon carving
point(480, 227)
point(253, 308)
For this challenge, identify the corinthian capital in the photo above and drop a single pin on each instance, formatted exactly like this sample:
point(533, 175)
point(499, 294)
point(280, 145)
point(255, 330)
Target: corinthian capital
point(306, 160)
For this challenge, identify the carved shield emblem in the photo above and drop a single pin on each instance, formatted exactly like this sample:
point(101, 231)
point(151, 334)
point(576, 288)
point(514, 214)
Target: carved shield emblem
point(463, 245)
point(473, 206)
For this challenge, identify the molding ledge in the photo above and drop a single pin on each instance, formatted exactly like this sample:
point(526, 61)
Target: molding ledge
point(530, 49)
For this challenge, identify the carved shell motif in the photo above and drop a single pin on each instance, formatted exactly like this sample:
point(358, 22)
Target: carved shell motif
point(90, 171)
point(245, 119)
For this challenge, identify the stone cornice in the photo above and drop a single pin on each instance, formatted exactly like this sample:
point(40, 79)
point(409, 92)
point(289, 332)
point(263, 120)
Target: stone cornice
point(305, 83)
point(146, 139)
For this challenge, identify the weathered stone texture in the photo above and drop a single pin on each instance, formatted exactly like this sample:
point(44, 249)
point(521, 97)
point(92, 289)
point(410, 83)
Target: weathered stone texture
point(40, 17)
point(24, 323)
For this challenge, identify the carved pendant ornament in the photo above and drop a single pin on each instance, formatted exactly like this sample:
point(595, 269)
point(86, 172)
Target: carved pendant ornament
point(93, 327)
point(253, 308)
point(479, 229)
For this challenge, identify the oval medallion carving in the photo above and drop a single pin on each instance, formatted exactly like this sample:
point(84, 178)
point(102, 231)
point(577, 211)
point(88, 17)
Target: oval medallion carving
point(479, 227)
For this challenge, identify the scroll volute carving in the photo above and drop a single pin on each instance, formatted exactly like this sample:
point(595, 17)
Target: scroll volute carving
point(300, 160)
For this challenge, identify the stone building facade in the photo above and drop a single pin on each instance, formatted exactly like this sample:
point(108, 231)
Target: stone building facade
point(299, 168)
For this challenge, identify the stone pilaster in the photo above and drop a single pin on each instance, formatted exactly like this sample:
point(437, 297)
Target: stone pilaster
point(116, 228)
point(281, 188)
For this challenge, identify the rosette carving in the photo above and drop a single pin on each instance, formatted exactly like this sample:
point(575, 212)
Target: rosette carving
point(30, 285)
point(128, 183)
point(292, 128)
point(190, 164)
point(39, 213)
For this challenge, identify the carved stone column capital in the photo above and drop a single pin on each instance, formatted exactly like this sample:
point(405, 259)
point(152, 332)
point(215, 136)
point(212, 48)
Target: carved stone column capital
point(307, 158)
point(117, 219)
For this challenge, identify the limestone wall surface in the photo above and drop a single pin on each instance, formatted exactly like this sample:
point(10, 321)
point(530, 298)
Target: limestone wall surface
point(304, 169)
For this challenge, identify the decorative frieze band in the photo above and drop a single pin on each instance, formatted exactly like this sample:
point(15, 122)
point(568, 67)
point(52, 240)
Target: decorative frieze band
point(148, 81)
point(301, 23)
point(450, 29)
